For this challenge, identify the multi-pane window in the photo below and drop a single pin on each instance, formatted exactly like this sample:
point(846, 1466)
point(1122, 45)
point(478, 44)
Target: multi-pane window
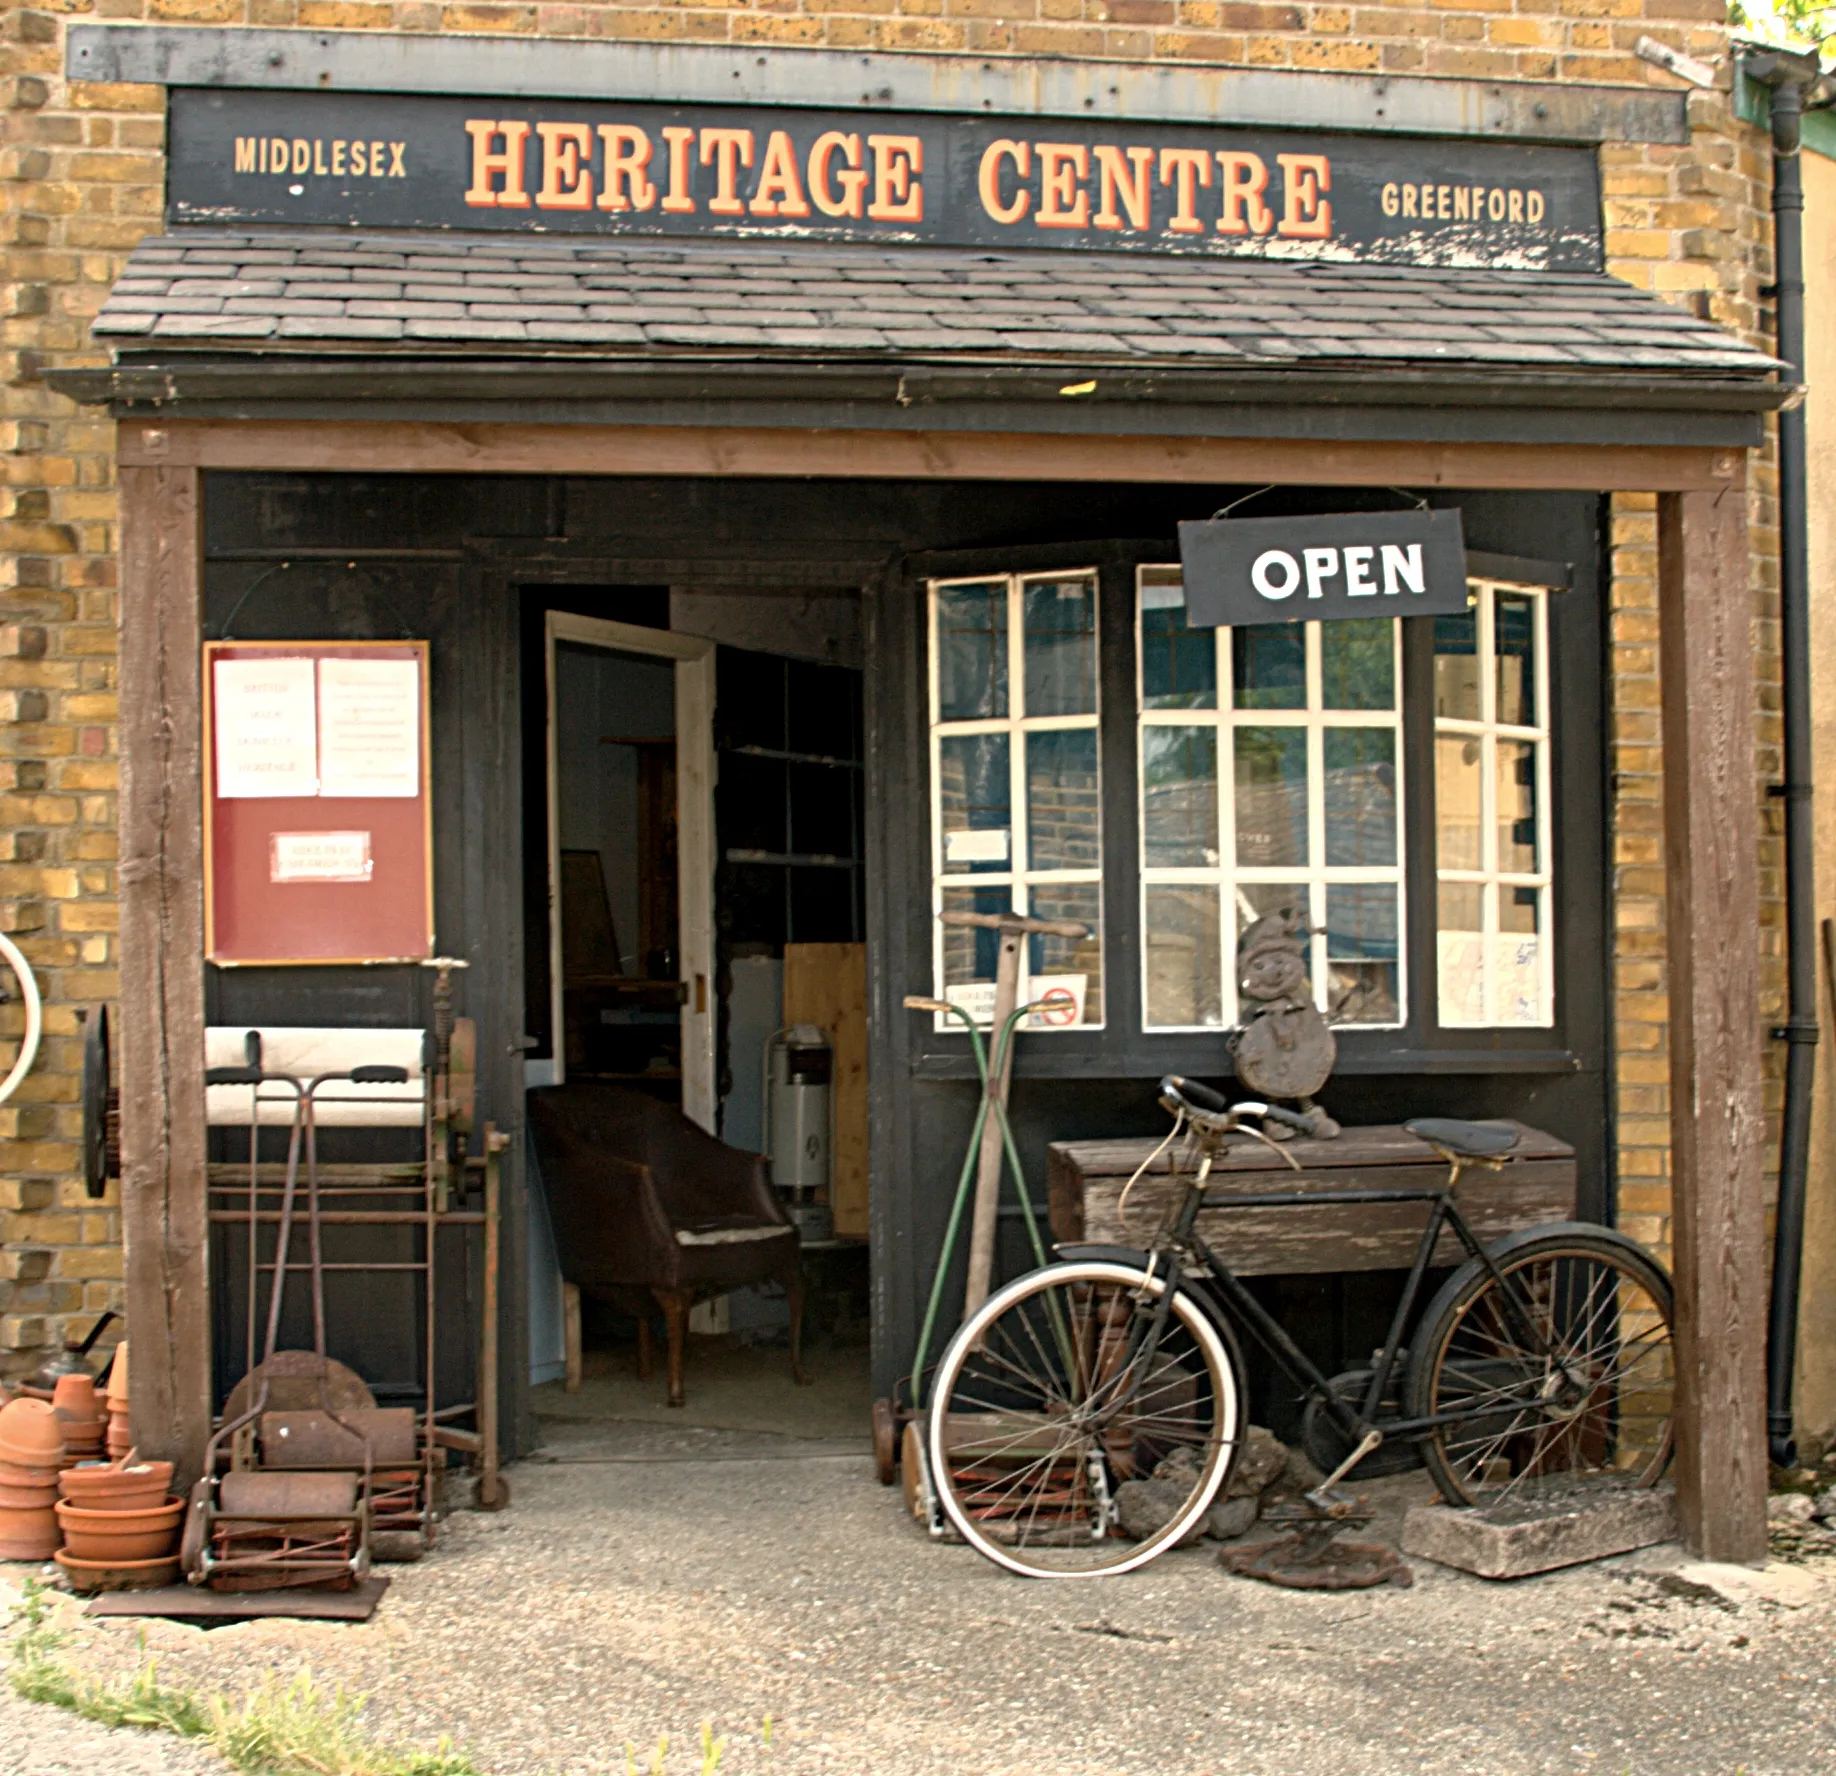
point(1016, 809)
point(1491, 796)
point(1271, 765)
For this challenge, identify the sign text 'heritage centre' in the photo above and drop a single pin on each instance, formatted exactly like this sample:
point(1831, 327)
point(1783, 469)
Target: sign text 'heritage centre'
point(391, 161)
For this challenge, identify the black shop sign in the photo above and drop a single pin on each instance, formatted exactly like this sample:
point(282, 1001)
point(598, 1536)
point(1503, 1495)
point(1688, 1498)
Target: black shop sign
point(566, 167)
point(1351, 564)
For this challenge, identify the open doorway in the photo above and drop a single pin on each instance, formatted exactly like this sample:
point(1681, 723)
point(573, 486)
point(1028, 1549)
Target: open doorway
point(702, 896)
point(617, 868)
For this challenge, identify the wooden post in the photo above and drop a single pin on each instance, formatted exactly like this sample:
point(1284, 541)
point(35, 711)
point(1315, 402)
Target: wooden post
point(570, 1337)
point(1717, 1127)
point(163, 1210)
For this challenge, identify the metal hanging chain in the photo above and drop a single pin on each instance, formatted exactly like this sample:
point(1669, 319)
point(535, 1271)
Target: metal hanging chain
point(1418, 501)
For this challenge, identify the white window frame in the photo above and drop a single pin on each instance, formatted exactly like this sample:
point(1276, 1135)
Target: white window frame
point(1226, 875)
point(1016, 724)
point(1488, 730)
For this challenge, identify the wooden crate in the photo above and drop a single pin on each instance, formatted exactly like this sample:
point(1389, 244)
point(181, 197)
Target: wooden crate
point(826, 985)
point(1085, 1180)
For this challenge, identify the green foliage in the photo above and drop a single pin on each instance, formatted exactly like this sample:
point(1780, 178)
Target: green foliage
point(295, 1729)
point(1790, 24)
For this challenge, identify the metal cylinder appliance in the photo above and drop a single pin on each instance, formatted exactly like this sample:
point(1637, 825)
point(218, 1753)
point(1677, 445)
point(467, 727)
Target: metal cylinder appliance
point(799, 1127)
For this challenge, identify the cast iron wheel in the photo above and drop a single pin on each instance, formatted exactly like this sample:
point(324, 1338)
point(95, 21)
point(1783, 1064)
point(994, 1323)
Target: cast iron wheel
point(1045, 1405)
point(1594, 1410)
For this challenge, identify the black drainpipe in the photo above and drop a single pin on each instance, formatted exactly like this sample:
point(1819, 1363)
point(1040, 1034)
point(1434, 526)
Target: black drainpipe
point(1788, 76)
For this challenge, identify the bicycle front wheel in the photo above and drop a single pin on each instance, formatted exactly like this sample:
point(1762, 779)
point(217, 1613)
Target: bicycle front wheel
point(1055, 1395)
point(1562, 1378)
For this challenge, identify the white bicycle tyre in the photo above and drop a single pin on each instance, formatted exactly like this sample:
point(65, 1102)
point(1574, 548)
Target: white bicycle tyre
point(35, 1017)
point(1192, 1318)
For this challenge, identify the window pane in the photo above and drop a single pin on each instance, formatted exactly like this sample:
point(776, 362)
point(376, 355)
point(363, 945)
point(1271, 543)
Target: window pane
point(1179, 798)
point(1358, 664)
point(1063, 807)
point(1179, 666)
point(1457, 809)
point(1517, 846)
point(1269, 666)
point(1514, 648)
point(1256, 900)
point(1361, 953)
point(1461, 976)
point(1517, 957)
point(974, 797)
point(1060, 621)
point(969, 951)
point(1271, 784)
point(972, 651)
point(1068, 958)
point(1461, 906)
point(1456, 667)
point(1184, 963)
point(1360, 791)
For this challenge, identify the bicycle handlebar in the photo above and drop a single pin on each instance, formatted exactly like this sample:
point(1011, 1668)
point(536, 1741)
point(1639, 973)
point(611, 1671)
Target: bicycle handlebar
point(1213, 1108)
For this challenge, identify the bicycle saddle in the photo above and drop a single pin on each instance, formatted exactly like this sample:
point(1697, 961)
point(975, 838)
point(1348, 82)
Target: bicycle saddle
point(1471, 1140)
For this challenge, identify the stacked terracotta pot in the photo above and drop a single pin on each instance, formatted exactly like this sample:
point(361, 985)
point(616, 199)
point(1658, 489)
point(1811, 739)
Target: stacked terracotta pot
point(80, 1417)
point(120, 1525)
point(31, 1452)
point(120, 1437)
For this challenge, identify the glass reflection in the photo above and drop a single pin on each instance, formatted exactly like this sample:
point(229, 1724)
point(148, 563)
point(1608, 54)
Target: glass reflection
point(1179, 799)
point(972, 651)
point(1058, 619)
point(1268, 664)
point(1063, 805)
point(1360, 794)
point(1271, 786)
point(975, 802)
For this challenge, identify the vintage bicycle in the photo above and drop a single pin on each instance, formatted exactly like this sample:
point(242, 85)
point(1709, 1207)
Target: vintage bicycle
point(1543, 1362)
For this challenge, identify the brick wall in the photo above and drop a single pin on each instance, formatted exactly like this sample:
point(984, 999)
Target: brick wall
point(81, 171)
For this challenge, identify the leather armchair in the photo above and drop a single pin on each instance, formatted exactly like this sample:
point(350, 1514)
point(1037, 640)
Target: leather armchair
point(647, 1206)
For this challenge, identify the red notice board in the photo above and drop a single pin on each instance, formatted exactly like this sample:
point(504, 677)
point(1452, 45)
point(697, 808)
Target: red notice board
point(318, 842)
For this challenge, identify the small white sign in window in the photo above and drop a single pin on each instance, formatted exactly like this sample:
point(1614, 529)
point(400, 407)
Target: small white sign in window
point(319, 857)
point(966, 845)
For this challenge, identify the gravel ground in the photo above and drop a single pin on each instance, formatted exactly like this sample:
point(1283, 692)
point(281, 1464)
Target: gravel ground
point(646, 1580)
point(37, 1741)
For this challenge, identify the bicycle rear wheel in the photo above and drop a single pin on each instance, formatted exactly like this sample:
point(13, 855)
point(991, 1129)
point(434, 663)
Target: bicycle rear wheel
point(1048, 1401)
point(1567, 1383)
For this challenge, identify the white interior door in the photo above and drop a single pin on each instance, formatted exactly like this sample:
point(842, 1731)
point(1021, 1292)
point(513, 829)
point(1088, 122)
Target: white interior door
point(694, 660)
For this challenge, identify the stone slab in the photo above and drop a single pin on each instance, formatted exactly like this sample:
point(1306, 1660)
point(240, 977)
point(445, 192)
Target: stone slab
point(1514, 1540)
point(1790, 1587)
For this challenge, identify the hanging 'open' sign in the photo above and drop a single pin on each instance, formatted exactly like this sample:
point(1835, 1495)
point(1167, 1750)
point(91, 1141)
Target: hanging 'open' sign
point(1348, 564)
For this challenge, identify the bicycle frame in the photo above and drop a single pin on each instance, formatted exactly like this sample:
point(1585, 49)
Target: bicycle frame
point(1299, 1368)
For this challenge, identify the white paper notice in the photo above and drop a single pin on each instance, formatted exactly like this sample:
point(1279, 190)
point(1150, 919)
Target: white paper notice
point(267, 730)
point(976, 845)
point(319, 857)
point(1062, 996)
point(369, 727)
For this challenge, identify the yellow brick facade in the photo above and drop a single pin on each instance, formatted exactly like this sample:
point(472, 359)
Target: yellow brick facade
point(82, 177)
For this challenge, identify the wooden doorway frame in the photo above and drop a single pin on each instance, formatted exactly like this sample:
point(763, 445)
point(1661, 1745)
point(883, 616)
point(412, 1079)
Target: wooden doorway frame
point(694, 662)
point(1717, 1123)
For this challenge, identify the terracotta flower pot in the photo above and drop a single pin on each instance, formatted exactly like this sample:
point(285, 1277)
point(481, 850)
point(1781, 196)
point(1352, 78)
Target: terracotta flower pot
point(74, 1397)
point(27, 1534)
point(27, 1498)
point(30, 1435)
point(11, 1474)
point(118, 1575)
point(101, 1487)
point(115, 1536)
point(118, 1378)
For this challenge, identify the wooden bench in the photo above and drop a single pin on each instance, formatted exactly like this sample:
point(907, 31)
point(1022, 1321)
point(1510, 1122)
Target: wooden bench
point(1085, 1180)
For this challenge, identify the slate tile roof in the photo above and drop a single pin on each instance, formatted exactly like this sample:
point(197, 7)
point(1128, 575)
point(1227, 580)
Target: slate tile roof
point(272, 289)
